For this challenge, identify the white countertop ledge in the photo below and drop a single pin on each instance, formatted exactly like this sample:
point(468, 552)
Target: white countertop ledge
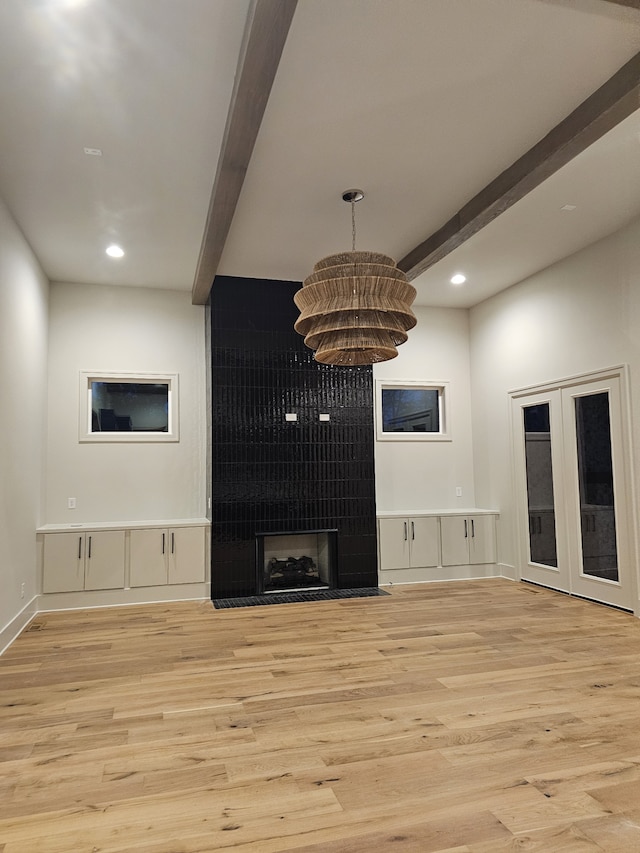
point(425, 513)
point(85, 526)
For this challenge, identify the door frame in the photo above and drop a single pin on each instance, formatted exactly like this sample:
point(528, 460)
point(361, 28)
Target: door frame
point(625, 509)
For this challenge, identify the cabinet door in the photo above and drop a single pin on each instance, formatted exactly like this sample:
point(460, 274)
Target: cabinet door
point(455, 531)
point(63, 562)
point(423, 538)
point(186, 555)
point(104, 560)
point(482, 539)
point(148, 551)
point(394, 543)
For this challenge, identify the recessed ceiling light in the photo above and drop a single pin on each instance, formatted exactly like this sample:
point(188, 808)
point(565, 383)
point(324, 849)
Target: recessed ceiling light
point(114, 251)
point(93, 152)
point(458, 278)
point(568, 207)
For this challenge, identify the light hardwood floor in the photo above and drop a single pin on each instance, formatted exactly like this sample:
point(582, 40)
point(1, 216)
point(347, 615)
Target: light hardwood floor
point(475, 717)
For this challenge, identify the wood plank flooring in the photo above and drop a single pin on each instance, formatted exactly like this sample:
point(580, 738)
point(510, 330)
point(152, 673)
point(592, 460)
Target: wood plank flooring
point(473, 717)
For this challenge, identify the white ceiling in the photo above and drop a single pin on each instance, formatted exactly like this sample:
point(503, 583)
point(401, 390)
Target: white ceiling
point(421, 103)
point(146, 81)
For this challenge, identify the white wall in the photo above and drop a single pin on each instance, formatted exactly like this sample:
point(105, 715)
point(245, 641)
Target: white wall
point(23, 349)
point(580, 315)
point(124, 330)
point(413, 475)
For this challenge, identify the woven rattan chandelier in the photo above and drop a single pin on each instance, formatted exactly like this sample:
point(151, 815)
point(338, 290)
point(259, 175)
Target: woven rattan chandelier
point(355, 307)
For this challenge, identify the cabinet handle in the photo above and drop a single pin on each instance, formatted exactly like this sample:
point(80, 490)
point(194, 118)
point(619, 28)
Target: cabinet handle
point(163, 543)
point(465, 529)
point(413, 530)
point(173, 542)
point(473, 529)
point(79, 547)
point(405, 531)
point(539, 524)
point(89, 554)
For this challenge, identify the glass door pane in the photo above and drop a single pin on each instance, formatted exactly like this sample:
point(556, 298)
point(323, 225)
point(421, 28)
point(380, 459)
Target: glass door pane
point(596, 488)
point(539, 474)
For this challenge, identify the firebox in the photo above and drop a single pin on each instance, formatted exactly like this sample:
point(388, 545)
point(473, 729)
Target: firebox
point(295, 560)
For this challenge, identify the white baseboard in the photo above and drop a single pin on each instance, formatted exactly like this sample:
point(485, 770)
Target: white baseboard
point(507, 571)
point(86, 600)
point(451, 580)
point(438, 574)
point(17, 625)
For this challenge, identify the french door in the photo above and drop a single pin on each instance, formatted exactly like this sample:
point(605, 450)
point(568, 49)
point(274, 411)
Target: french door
point(571, 476)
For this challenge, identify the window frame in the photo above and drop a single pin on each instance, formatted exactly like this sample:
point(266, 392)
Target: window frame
point(86, 435)
point(444, 405)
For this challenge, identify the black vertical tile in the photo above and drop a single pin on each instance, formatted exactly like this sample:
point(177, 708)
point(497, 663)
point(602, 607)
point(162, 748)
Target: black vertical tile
point(271, 476)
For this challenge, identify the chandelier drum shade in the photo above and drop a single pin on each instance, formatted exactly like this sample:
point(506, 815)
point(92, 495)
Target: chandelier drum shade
point(355, 307)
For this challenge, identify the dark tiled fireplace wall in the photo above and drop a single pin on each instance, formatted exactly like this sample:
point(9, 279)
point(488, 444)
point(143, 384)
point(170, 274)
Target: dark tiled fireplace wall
point(272, 476)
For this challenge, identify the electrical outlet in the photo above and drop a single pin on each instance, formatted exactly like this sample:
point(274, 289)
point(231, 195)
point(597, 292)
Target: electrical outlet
point(22, 590)
point(71, 503)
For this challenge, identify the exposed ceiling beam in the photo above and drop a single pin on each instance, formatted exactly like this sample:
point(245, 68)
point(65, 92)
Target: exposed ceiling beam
point(268, 23)
point(633, 4)
point(601, 111)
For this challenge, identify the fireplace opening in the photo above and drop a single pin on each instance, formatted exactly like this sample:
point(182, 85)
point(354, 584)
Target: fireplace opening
point(296, 560)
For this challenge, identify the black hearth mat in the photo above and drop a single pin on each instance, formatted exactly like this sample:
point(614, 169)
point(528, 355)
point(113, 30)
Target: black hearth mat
point(295, 597)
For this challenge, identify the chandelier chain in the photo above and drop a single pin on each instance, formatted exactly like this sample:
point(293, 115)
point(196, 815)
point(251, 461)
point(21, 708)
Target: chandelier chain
point(353, 224)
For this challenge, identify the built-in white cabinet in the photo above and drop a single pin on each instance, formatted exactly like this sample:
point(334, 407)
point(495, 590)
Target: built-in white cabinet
point(83, 561)
point(467, 540)
point(127, 556)
point(167, 556)
point(431, 545)
point(410, 542)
